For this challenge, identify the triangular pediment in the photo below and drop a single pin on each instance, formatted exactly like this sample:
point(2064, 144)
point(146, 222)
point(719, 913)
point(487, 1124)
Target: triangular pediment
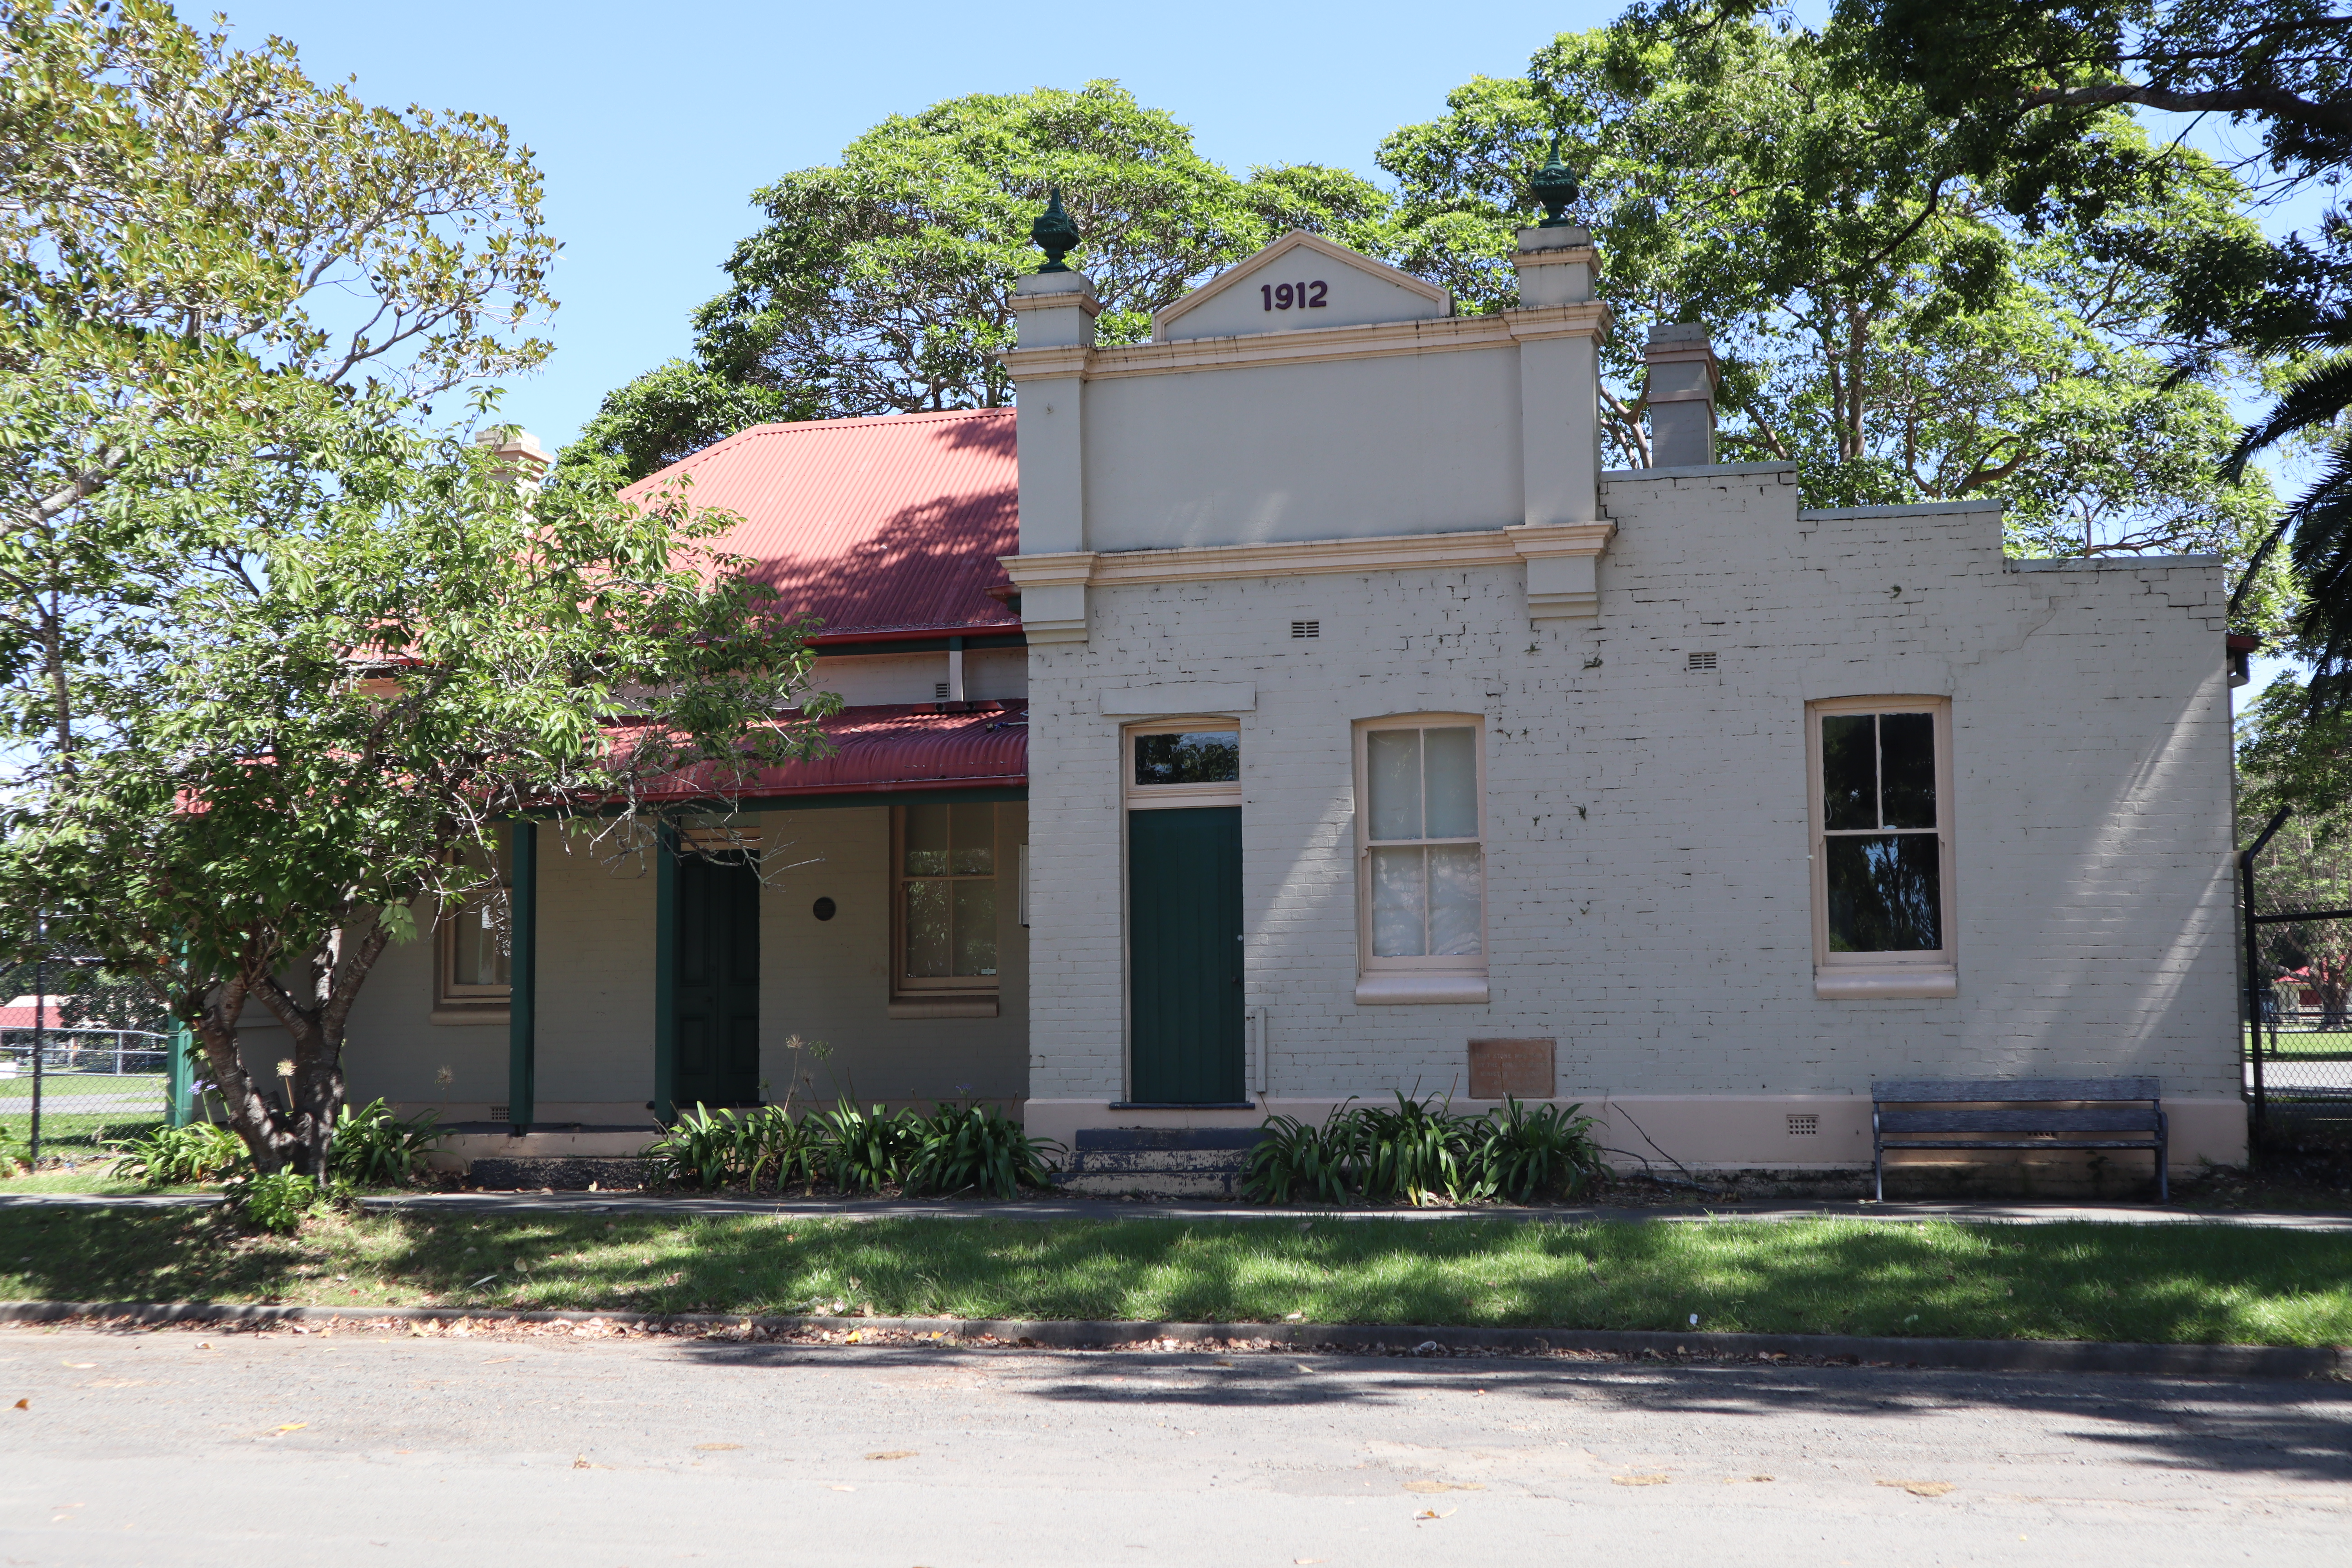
point(1299, 282)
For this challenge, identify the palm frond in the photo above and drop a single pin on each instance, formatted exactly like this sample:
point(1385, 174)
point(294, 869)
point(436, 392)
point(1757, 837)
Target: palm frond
point(2317, 396)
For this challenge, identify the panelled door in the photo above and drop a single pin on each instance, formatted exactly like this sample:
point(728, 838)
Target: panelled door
point(1185, 1017)
point(718, 994)
point(1184, 954)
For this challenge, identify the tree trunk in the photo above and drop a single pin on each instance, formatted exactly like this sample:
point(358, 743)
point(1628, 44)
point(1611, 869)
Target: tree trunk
point(334, 972)
point(250, 1116)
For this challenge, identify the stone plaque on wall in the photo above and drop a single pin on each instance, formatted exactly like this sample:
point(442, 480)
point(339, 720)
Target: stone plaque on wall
point(1521, 1067)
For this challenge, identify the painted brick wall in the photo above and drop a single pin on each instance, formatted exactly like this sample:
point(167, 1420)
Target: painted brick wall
point(1649, 895)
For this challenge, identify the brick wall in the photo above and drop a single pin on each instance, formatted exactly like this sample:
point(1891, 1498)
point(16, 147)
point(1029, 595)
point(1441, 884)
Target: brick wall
point(1649, 899)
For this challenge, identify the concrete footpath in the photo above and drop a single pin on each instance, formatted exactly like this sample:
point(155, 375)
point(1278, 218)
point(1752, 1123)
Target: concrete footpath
point(1058, 1208)
point(202, 1448)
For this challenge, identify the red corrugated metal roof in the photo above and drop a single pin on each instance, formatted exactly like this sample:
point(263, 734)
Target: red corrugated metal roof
point(891, 523)
point(919, 747)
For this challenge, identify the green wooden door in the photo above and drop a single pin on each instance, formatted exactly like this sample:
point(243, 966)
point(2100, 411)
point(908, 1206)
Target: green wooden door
point(1184, 955)
point(717, 989)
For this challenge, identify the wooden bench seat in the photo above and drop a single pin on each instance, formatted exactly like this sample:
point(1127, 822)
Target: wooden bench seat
point(2019, 1113)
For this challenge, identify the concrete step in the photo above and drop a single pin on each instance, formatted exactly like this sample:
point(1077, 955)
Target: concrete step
point(1159, 1162)
point(564, 1173)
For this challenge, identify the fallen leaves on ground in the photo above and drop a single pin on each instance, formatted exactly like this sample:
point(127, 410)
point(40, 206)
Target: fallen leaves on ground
point(1639, 1480)
point(893, 1454)
point(1920, 1489)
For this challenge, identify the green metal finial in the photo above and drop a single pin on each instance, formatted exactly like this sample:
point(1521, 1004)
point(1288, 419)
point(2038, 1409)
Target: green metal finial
point(1554, 186)
point(1054, 233)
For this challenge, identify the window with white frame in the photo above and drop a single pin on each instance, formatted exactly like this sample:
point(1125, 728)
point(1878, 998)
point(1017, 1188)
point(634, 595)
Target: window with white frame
point(943, 908)
point(1420, 834)
point(474, 961)
point(1882, 859)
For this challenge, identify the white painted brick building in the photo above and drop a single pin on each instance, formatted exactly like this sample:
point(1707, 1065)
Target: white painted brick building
point(1367, 718)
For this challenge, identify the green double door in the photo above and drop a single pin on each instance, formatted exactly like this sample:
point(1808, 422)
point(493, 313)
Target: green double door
point(715, 1003)
point(1184, 956)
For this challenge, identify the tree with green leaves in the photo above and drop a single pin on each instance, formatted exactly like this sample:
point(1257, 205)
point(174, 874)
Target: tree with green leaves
point(276, 654)
point(2029, 81)
point(367, 661)
point(879, 285)
point(1883, 323)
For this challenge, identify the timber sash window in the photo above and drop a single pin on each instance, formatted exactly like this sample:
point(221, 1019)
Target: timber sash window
point(475, 944)
point(943, 913)
point(1882, 854)
point(1421, 859)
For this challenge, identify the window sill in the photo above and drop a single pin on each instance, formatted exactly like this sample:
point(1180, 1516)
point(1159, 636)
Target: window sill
point(945, 1007)
point(485, 1016)
point(1409, 989)
point(1885, 984)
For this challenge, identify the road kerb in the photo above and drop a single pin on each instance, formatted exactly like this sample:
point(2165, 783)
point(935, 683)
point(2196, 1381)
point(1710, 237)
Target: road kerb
point(2226, 1361)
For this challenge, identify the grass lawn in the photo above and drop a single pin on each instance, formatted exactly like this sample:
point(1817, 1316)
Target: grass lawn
point(2182, 1284)
point(2309, 1044)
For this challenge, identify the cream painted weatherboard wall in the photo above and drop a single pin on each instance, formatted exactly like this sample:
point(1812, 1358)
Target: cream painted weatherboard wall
point(1649, 896)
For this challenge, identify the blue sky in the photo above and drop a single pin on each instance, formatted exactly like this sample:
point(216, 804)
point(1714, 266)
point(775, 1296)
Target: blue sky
point(654, 125)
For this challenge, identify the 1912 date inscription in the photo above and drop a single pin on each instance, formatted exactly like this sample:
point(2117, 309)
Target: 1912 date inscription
point(1311, 296)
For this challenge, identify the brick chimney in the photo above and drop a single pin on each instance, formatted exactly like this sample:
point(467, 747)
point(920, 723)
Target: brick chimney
point(1683, 373)
point(518, 454)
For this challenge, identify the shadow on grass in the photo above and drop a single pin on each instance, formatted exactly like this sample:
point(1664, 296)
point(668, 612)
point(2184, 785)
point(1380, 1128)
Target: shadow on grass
point(2161, 1284)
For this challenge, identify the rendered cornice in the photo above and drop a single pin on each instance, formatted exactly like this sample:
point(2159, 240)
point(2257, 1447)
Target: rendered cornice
point(1531, 539)
point(1058, 300)
point(1310, 346)
point(1068, 569)
point(1399, 552)
point(1200, 563)
point(1039, 365)
point(1585, 319)
point(1574, 253)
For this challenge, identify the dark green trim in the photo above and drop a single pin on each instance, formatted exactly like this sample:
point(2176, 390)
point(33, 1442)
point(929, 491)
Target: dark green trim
point(179, 1077)
point(877, 797)
point(665, 972)
point(921, 645)
point(820, 802)
point(522, 974)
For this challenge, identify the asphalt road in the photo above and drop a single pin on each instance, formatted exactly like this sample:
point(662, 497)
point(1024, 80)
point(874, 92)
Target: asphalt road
point(188, 1449)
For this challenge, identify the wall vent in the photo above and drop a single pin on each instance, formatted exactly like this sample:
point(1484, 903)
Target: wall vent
point(1802, 1123)
point(1307, 628)
point(1702, 661)
point(498, 1114)
point(938, 691)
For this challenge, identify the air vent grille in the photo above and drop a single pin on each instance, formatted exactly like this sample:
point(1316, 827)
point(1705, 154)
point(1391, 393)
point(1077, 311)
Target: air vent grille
point(938, 691)
point(498, 1114)
point(1307, 628)
point(1702, 661)
point(1804, 1123)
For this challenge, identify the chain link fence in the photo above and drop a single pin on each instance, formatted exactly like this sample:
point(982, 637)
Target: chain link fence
point(2296, 1017)
point(85, 1061)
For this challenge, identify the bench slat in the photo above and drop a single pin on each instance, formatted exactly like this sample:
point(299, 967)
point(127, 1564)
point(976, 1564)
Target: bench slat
point(2015, 1143)
point(1931, 1089)
point(2017, 1121)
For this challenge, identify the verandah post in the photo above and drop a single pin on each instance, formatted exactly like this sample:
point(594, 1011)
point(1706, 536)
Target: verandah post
point(522, 974)
point(179, 1075)
point(665, 972)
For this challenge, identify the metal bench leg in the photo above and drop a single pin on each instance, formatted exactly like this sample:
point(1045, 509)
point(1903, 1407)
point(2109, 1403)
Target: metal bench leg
point(1877, 1159)
point(2163, 1158)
